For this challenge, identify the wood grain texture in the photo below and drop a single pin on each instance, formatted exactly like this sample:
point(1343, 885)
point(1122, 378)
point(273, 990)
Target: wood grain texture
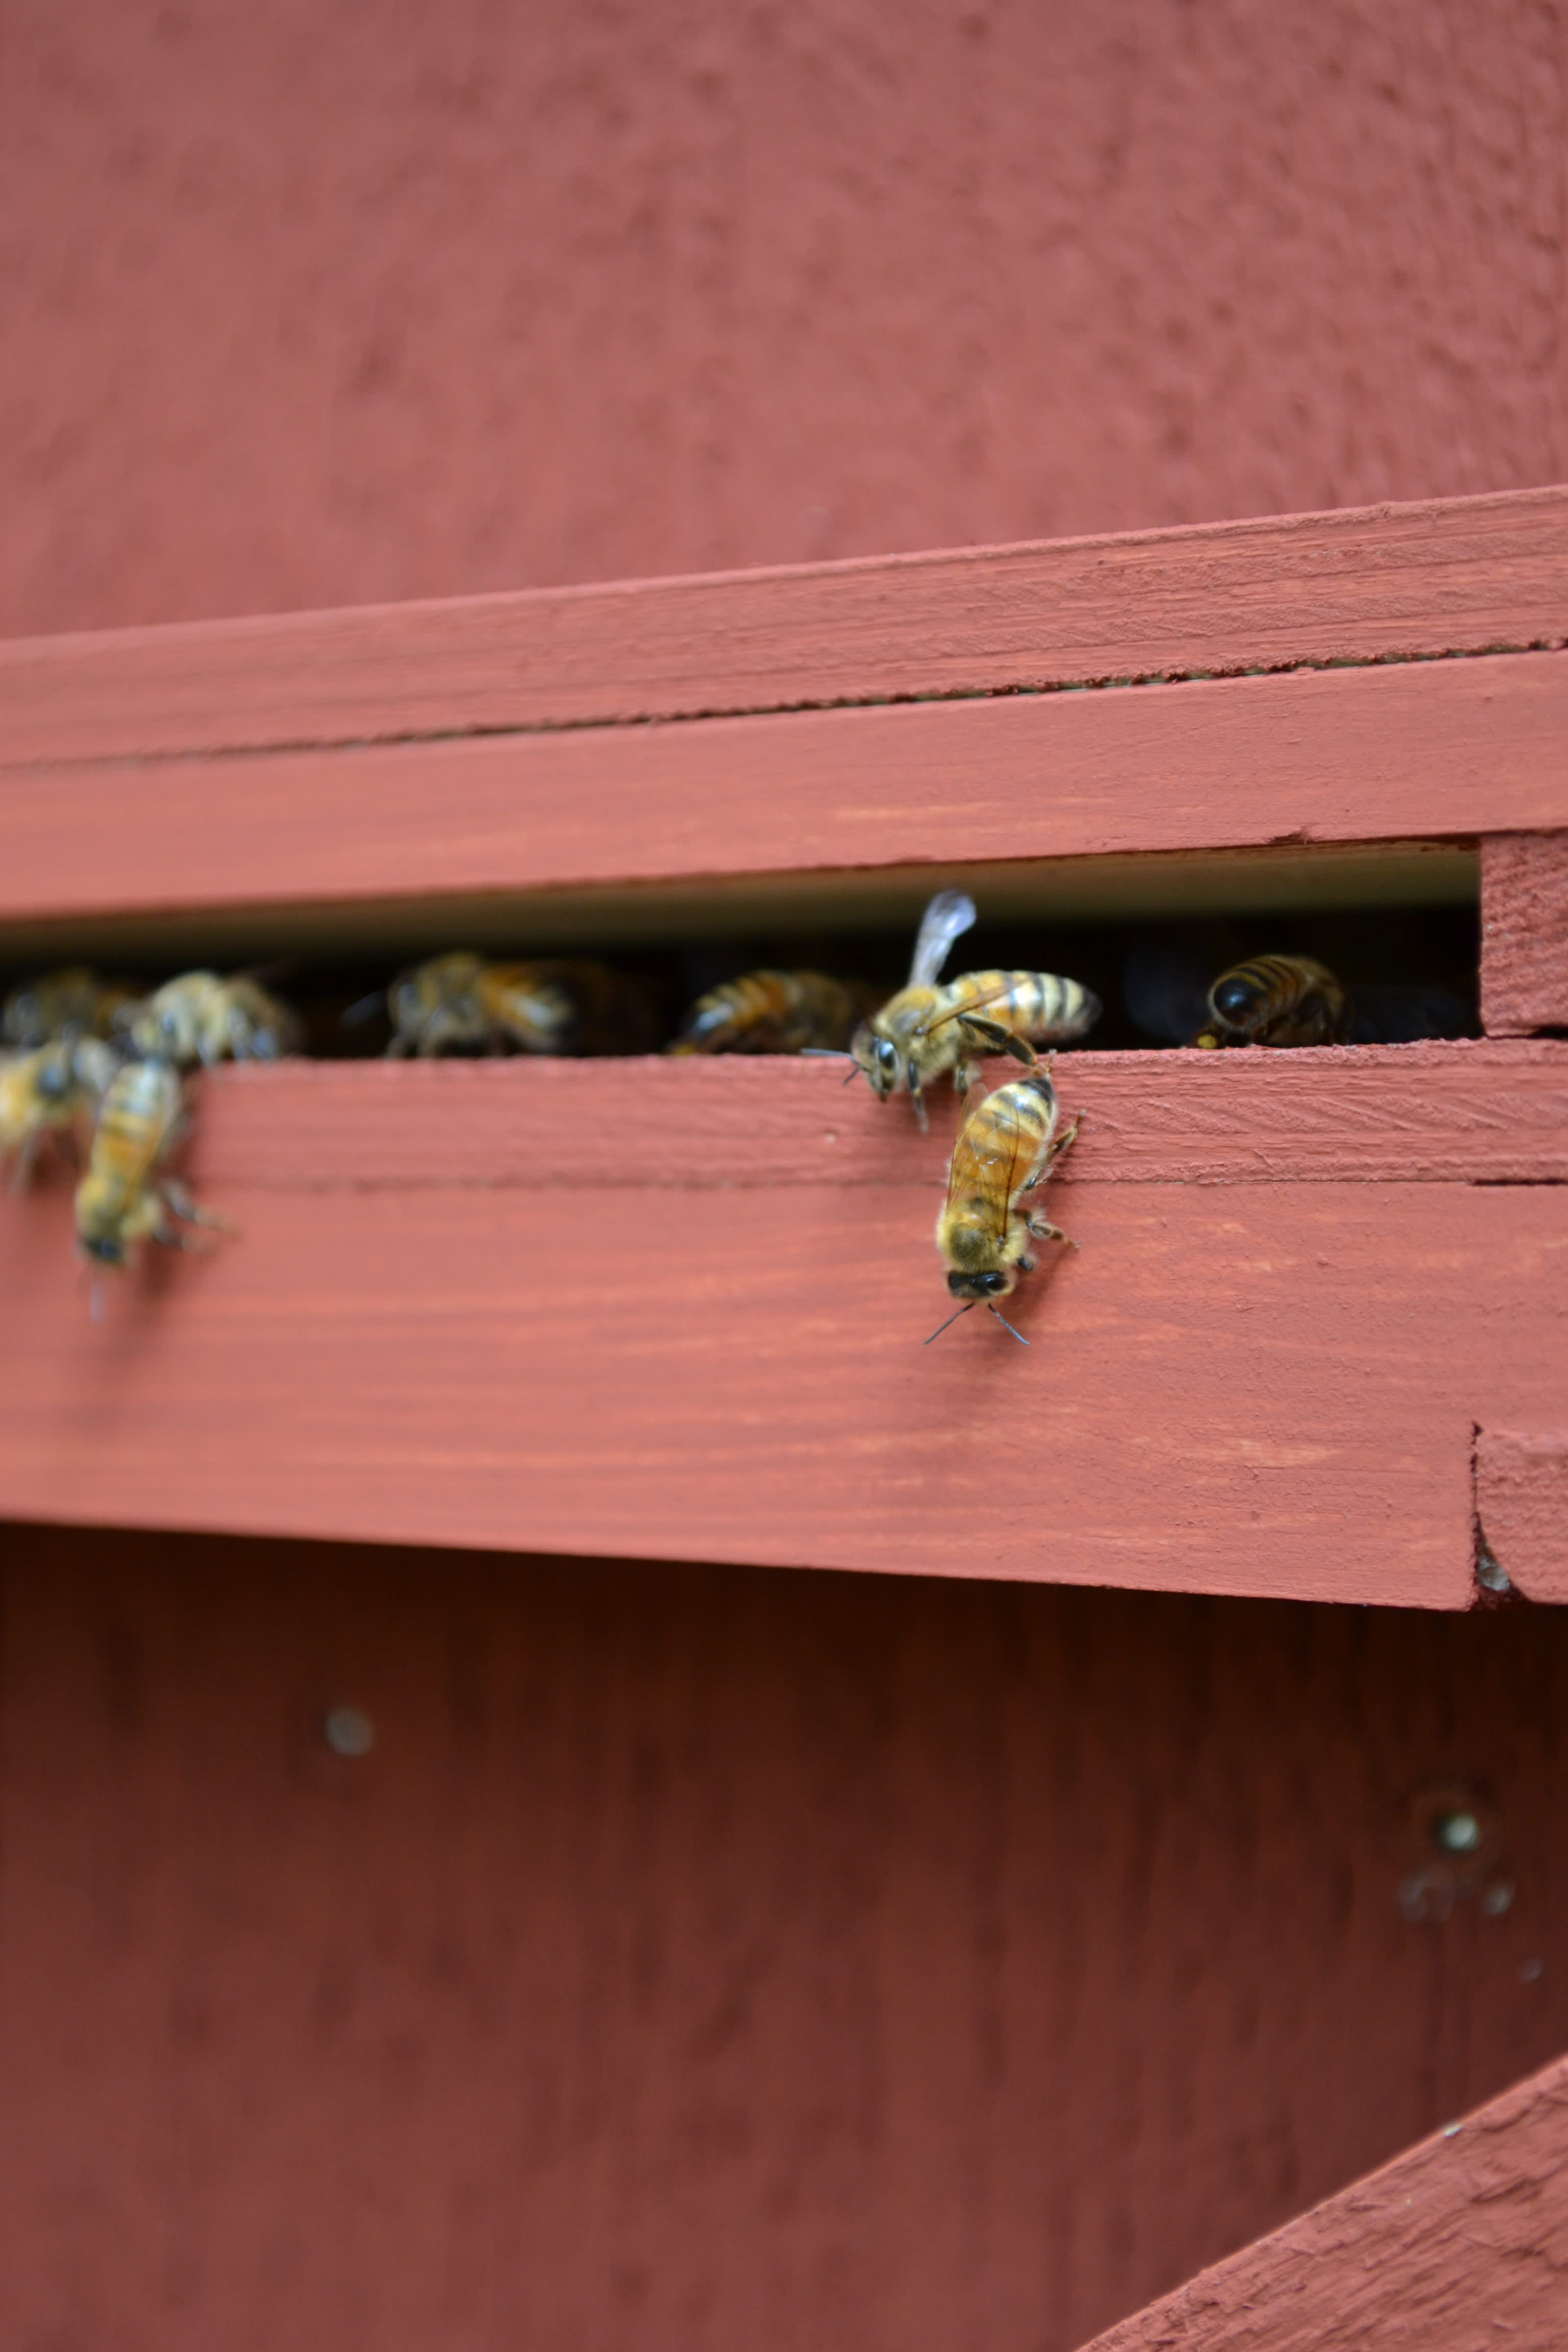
point(1524, 934)
point(1521, 1502)
point(1266, 1389)
point(1482, 1111)
point(1428, 749)
point(717, 1958)
point(1462, 2243)
point(1462, 575)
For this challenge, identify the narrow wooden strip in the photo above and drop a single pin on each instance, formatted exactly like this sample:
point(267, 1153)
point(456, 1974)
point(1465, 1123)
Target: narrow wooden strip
point(1465, 1112)
point(1268, 1388)
point(1441, 749)
point(1457, 575)
point(1524, 933)
point(1521, 1504)
point(1460, 2242)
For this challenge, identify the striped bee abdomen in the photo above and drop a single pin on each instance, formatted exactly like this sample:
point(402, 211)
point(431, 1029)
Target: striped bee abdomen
point(1039, 1005)
point(770, 1012)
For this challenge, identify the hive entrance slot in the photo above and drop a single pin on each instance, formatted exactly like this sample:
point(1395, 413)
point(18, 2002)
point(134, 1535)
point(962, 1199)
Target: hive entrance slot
point(1146, 934)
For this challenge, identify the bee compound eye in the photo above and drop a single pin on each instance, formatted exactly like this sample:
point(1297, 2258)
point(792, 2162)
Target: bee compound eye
point(887, 1057)
point(1234, 999)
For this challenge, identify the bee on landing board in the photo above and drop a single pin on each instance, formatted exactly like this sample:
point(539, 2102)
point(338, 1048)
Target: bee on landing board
point(1276, 1000)
point(124, 1197)
point(464, 1003)
point(773, 1013)
point(921, 1034)
point(54, 1091)
point(1005, 1148)
point(70, 1003)
point(197, 1017)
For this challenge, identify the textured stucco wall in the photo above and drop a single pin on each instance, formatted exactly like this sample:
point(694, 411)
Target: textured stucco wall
point(707, 1959)
point(302, 305)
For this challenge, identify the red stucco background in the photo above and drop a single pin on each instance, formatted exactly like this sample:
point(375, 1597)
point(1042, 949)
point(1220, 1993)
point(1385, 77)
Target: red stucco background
point(303, 306)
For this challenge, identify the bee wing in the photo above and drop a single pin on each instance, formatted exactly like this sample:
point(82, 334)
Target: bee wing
point(950, 914)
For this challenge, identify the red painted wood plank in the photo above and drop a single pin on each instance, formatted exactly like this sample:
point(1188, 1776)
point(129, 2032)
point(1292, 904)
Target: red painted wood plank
point(1459, 2243)
point(1484, 1111)
point(1521, 1502)
point(1447, 748)
point(1454, 575)
point(1524, 933)
point(1264, 1389)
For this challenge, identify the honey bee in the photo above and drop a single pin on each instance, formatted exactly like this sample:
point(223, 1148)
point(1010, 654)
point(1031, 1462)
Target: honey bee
point(773, 1012)
point(197, 1017)
point(1005, 1148)
point(123, 1197)
point(70, 1003)
point(927, 1030)
point(1276, 1000)
point(52, 1091)
point(464, 1002)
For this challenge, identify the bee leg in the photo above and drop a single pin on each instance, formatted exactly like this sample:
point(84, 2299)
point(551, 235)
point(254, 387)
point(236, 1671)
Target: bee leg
point(180, 1202)
point(916, 1104)
point(23, 1169)
point(1026, 1266)
point(1063, 1143)
point(1044, 1230)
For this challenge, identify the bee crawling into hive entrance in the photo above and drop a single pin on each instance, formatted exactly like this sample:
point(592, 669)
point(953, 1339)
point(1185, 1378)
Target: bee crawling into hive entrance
point(1276, 1000)
point(1005, 1148)
point(927, 1030)
point(774, 1012)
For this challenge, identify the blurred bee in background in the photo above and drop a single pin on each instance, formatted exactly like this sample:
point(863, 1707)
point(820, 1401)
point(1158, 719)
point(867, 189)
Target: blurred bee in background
point(73, 1002)
point(124, 1197)
point(199, 1018)
point(462, 1002)
point(51, 1091)
point(773, 1013)
point(927, 1030)
point(1005, 1151)
point(1276, 1000)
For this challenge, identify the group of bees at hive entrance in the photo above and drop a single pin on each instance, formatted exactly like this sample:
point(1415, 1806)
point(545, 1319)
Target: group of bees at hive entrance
point(97, 1069)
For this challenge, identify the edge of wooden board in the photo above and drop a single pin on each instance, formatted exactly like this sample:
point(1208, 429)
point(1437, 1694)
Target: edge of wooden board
point(1458, 2242)
point(1367, 585)
point(1313, 759)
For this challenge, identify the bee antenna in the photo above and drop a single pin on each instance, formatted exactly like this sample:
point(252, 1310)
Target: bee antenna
point(952, 1318)
point(826, 1054)
point(1006, 1325)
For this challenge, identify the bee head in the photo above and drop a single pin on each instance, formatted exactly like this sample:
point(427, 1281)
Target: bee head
point(53, 1081)
point(1233, 1000)
point(878, 1059)
point(982, 1286)
point(103, 1249)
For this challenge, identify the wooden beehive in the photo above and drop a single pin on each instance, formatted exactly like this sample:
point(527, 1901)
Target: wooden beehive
point(1314, 1346)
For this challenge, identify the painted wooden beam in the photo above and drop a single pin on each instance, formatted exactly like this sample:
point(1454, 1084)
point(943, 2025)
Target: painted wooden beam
point(1524, 933)
point(1461, 575)
point(1484, 1111)
point(1461, 2243)
point(1442, 749)
point(650, 1338)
